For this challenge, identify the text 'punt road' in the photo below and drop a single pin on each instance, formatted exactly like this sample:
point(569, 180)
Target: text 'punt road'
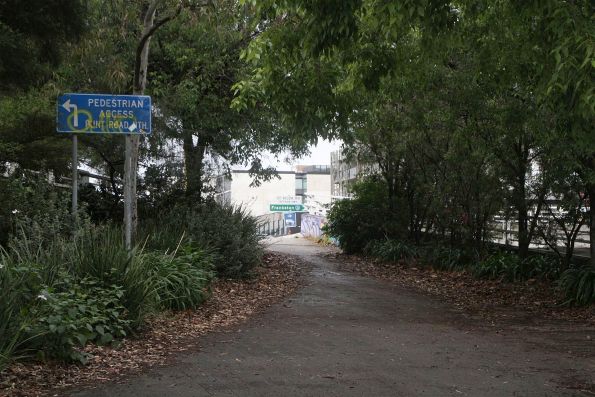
point(104, 114)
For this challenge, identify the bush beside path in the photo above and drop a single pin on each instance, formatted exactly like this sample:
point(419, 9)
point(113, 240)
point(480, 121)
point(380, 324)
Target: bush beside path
point(232, 302)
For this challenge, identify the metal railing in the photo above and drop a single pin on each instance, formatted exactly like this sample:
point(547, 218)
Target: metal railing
point(272, 228)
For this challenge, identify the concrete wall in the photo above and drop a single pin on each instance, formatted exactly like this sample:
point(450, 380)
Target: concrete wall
point(319, 186)
point(312, 225)
point(318, 193)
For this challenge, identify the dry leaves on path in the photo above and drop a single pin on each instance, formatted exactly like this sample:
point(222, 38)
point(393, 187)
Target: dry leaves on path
point(232, 302)
point(491, 299)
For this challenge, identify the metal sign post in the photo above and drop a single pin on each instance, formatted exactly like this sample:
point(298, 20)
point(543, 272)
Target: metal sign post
point(105, 114)
point(75, 176)
point(128, 193)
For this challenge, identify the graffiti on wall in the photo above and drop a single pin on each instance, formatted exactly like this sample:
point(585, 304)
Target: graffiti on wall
point(312, 225)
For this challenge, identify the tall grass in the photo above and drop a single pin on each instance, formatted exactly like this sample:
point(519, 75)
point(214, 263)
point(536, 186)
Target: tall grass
point(180, 279)
point(100, 253)
point(227, 231)
point(391, 250)
point(578, 285)
point(46, 309)
point(9, 309)
point(18, 284)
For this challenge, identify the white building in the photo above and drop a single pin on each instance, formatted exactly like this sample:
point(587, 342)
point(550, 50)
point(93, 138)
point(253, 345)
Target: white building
point(345, 172)
point(307, 185)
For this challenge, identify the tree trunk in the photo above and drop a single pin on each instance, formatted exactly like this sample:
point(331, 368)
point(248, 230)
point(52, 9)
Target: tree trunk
point(133, 141)
point(591, 195)
point(193, 168)
point(522, 218)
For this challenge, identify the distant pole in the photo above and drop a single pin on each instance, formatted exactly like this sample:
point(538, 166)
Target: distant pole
point(75, 175)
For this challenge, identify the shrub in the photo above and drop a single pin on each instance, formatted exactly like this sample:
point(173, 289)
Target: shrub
point(164, 237)
point(50, 304)
point(21, 280)
point(74, 313)
point(58, 294)
point(13, 295)
point(510, 267)
point(180, 281)
point(446, 258)
point(100, 253)
point(227, 231)
point(578, 285)
point(505, 265)
point(391, 250)
point(365, 218)
point(30, 202)
point(545, 267)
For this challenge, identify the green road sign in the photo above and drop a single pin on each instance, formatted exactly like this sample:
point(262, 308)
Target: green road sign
point(286, 207)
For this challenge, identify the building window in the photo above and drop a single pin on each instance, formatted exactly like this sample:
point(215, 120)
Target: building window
point(301, 184)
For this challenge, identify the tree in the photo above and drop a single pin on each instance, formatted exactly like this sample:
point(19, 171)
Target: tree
point(533, 60)
point(32, 38)
point(566, 203)
point(141, 64)
point(196, 64)
point(568, 86)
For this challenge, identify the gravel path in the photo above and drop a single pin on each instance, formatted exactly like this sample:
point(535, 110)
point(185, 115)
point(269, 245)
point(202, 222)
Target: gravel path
point(345, 335)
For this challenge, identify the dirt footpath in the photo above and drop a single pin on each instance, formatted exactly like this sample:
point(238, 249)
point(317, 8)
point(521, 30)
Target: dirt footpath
point(346, 335)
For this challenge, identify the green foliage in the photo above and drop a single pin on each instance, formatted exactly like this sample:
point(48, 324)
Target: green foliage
point(27, 131)
point(71, 314)
point(578, 285)
point(192, 74)
point(100, 253)
point(32, 206)
point(180, 280)
point(391, 250)
point(510, 267)
point(447, 258)
point(503, 265)
point(33, 36)
point(364, 218)
point(545, 267)
point(229, 232)
point(51, 309)
point(163, 234)
point(455, 105)
point(59, 294)
point(13, 293)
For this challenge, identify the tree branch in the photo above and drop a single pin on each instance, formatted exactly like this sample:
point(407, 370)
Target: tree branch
point(148, 33)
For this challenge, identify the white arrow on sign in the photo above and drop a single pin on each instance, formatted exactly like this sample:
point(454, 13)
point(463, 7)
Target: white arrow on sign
point(67, 105)
point(132, 127)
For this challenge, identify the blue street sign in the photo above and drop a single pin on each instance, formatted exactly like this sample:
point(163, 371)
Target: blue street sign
point(104, 114)
point(289, 219)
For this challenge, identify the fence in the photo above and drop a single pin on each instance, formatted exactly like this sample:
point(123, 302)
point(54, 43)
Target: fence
point(271, 225)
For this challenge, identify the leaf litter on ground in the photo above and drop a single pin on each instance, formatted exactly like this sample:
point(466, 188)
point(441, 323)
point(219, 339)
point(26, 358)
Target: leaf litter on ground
point(491, 299)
